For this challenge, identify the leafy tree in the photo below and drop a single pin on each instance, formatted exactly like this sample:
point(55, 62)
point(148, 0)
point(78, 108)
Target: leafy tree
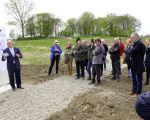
point(86, 24)
point(20, 10)
point(44, 24)
point(31, 27)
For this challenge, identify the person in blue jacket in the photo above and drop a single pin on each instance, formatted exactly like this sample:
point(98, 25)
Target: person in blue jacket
point(142, 106)
point(55, 56)
point(147, 62)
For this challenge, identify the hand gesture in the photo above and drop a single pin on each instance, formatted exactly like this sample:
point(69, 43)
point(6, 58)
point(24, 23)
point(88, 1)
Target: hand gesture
point(18, 55)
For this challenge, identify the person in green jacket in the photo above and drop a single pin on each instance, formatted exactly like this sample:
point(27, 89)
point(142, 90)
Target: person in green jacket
point(78, 54)
point(69, 57)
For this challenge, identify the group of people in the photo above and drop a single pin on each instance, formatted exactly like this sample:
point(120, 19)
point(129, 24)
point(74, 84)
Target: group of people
point(91, 57)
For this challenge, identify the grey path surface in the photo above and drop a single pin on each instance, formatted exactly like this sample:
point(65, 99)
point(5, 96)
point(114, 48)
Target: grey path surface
point(38, 101)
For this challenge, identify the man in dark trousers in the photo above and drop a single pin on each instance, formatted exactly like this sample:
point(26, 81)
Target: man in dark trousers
point(12, 55)
point(105, 55)
point(115, 58)
point(78, 54)
point(137, 64)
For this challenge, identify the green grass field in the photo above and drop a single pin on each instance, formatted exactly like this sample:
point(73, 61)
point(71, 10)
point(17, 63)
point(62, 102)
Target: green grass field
point(37, 51)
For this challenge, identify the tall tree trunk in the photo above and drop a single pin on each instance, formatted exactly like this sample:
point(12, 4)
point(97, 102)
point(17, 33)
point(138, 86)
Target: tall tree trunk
point(22, 29)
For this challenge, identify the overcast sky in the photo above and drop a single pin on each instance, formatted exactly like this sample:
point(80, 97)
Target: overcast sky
point(74, 8)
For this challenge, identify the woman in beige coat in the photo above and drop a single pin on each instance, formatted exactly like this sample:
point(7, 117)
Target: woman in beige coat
point(69, 57)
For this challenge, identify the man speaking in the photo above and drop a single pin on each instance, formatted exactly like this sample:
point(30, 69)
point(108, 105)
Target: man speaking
point(12, 55)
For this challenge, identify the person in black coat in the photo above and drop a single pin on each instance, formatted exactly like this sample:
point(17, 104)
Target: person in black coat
point(115, 58)
point(137, 64)
point(12, 55)
point(105, 55)
point(128, 57)
point(147, 62)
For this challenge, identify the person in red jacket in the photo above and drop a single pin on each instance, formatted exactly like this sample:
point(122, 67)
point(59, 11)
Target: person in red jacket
point(122, 49)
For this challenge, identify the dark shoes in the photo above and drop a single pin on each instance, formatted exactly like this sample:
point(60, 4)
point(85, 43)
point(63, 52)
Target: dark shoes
point(113, 78)
point(97, 83)
point(13, 89)
point(89, 79)
point(92, 82)
point(77, 78)
point(20, 87)
point(146, 83)
point(118, 80)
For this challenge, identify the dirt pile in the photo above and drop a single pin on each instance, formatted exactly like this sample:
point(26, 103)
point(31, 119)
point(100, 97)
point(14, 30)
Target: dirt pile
point(109, 101)
point(98, 104)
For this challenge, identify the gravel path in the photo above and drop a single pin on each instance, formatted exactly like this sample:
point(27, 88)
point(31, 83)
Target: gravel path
point(38, 101)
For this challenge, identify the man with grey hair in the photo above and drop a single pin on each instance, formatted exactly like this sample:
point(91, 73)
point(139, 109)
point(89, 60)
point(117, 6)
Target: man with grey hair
point(115, 58)
point(137, 64)
point(12, 55)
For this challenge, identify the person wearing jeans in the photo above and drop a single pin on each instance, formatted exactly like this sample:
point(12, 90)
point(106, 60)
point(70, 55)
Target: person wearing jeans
point(55, 56)
point(85, 47)
point(91, 48)
point(137, 64)
point(137, 82)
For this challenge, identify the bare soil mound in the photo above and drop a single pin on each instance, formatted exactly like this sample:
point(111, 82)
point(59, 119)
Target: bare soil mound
point(109, 101)
point(35, 74)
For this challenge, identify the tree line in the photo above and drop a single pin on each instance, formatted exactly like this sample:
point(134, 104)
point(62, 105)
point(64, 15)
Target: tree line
point(47, 25)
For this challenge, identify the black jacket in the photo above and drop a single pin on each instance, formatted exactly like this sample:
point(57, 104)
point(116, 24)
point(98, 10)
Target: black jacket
point(115, 52)
point(137, 56)
point(106, 49)
point(147, 59)
point(128, 54)
point(11, 59)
